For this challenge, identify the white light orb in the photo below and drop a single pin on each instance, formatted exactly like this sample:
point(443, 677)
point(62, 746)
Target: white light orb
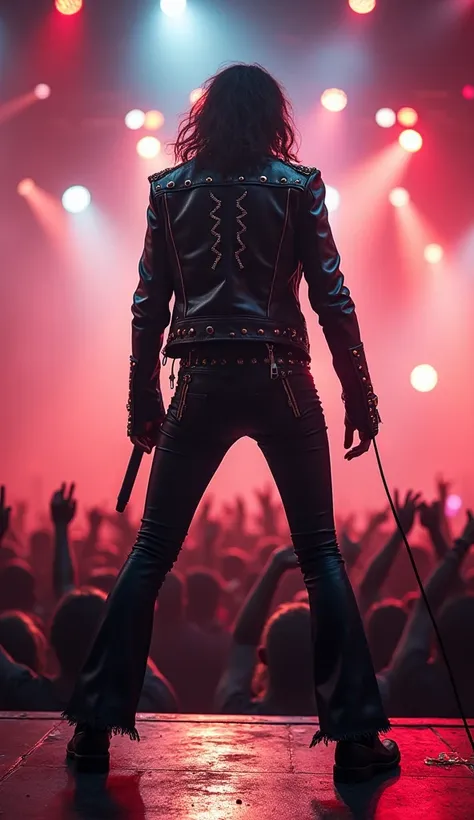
point(334, 99)
point(385, 117)
point(453, 504)
point(25, 187)
point(423, 378)
point(196, 95)
point(399, 197)
point(433, 253)
point(135, 119)
point(173, 8)
point(410, 140)
point(362, 6)
point(148, 147)
point(42, 91)
point(333, 199)
point(76, 199)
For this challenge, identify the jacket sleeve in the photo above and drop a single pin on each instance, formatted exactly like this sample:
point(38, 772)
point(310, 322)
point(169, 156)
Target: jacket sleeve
point(151, 315)
point(331, 300)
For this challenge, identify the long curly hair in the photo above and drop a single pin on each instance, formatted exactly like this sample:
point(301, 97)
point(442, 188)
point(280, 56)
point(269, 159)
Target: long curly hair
point(242, 117)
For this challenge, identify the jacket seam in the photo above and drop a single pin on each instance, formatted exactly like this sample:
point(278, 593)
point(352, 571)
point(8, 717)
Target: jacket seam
point(177, 257)
point(279, 251)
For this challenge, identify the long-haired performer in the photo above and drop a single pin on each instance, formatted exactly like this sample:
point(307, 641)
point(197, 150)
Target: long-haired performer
point(231, 231)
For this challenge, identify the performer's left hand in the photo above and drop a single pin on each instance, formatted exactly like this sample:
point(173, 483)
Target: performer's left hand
point(359, 449)
point(147, 440)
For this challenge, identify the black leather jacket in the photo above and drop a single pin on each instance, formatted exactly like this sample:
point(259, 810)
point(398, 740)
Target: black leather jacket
point(233, 251)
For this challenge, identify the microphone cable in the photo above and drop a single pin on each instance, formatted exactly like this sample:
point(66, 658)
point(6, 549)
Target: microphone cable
point(425, 599)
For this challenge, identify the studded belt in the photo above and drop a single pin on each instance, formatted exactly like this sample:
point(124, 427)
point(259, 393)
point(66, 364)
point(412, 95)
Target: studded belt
point(196, 361)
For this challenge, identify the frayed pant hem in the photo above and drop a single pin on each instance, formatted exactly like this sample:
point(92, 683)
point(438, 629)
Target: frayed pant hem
point(101, 725)
point(355, 736)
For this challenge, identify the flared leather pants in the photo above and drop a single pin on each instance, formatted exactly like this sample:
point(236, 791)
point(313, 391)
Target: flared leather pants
point(212, 408)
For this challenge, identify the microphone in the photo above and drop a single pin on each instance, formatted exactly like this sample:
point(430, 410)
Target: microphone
point(129, 479)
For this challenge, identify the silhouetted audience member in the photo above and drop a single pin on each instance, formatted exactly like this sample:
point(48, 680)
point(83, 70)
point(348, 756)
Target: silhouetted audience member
point(17, 587)
point(103, 579)
point(23, 640)
point(384, 625)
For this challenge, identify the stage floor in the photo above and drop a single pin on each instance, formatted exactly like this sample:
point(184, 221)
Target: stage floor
point(190, 767)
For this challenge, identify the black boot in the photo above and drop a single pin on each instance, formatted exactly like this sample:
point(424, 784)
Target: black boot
point(358, 761)
point(89, 748)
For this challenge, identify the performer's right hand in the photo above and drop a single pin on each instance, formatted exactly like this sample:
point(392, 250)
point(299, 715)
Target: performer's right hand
point(147, 440)
point(359, 449)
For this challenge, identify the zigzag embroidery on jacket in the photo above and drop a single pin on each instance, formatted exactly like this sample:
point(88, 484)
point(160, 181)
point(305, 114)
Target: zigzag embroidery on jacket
point(159, 174)
point(243, 228)
point(214, 230)
point(304, 169)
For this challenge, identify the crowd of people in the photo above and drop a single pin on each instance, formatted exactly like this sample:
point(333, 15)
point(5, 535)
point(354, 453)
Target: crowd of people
point(232, 628)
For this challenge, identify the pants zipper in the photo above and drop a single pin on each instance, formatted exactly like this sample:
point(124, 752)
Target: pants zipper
point(182, 398)
point(273, 364)
point(289, 392)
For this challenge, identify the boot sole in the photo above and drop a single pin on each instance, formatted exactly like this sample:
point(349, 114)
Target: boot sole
point(363, 773)
point(92, 764)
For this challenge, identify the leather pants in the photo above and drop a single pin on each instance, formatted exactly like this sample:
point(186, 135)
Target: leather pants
point(211, 409)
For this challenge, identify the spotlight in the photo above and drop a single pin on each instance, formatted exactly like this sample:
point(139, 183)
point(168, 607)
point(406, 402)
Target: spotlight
point(407, 117)
point(153, 120)
point(42, 91)
point(25, 187)
point(385, 117)
point(76, 199)
point(433, 253)
point(173, 8)
point(334, 99)
point(68, 7)
point(410, 140)
point(333, 199)
point(468, 92)
point(424, 378)
point(362, 6)
point(399, 197)
point(196, 95)
point(135, 119)
point(148, 147)
point(453, 505)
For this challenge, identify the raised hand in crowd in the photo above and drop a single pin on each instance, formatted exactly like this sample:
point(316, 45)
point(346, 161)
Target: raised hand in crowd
point(406, 510)
point(467, 534)
point(269, 513)
point(5, 513)
point(431, 519)
point(63, 509)
point(63, 506)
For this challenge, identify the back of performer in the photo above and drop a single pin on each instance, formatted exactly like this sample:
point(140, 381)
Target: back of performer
point(231, 231)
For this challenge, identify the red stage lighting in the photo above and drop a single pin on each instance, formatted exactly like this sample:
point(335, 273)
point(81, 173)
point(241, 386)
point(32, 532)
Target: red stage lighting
point(68, 7)
point(362, 6)
point(410, 140)
point(468, 92)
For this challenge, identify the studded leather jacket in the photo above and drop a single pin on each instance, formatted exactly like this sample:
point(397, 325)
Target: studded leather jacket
point(233, 251)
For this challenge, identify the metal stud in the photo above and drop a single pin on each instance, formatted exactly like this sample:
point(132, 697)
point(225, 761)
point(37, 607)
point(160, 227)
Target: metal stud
point(170, 185)
point(210, 330)
point(178, 332)
point(187, 182)
point(241, 179)
point(204, 361)
point(298, 181)
point(283, 179)
point(191, 331)
point(240, 361)
point(263, 179)
point(254, 361)
point(232, 333)
point(208, 179)
point(260, 331)
point(244, 331)
point(158, 186)
point(223, 361)
point(276, 332)
point(184, 332)
point(213, 361)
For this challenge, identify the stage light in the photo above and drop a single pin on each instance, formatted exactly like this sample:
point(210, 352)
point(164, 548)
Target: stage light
point(333, 199)
point(153, 120)
point(76, 199)
point(433, 253)
point(362, 6)
point(135, 119)
point(410, 140)
point(25, 187)
point(453, 504)
point(148, 147)
point(407, 117)
point(334, 99)
point(424, 378)
point(42, 91)
point(173, 8)
point(468, 92)
point(68, 7)
point(399, 197)
point(196, 95)
point(385, 117)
